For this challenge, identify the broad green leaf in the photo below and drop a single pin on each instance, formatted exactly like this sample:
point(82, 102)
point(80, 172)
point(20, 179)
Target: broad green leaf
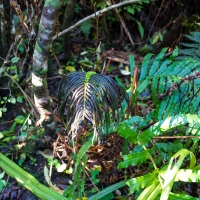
point(46, 175)
point(27, 180)
point(148, 190)
point(173, 169)
point(146, 49)
point(12, 100)
point(155, 192)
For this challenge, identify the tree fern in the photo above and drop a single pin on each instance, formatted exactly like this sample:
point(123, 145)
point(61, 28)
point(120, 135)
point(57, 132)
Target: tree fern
point(90, 96)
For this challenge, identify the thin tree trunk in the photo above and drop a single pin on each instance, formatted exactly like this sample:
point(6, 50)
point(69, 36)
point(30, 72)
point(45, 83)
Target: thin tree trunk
point(40, 63)
point(7, 24)
point(68, 17)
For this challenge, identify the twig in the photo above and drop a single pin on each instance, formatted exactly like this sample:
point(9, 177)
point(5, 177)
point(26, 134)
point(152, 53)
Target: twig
point(8, 55)
point(51, 166)
point(89, 177)
point(134, 86)
point(124, 25)
point(108, 63)
point(57, 61)
point(98, 13)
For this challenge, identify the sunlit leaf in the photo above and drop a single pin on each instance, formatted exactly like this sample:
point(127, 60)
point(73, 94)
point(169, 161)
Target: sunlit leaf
point(142, 181)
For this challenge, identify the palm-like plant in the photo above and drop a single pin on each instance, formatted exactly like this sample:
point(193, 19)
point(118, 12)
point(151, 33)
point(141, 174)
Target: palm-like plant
point(90, 96)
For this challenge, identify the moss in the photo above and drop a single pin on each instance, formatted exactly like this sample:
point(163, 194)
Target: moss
point(43, 72)
point(37, 47)
point(48, 47)
point(40, 71)
point(41, 28)
point(55, 3)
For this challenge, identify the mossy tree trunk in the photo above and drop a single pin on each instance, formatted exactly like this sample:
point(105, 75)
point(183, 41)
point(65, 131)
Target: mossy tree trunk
point(40, 63)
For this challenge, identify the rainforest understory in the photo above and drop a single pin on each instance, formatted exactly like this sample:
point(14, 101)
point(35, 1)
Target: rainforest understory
point(99, 99)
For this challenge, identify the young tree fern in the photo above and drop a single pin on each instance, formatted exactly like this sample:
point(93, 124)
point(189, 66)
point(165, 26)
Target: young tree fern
point(90, 96)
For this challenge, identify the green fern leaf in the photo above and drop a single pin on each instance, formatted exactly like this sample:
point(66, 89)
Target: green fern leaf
point(194, 36)
point(126, 132)
point(142, 181)
point(133, 159)
point(188, 175)
point(167, 124)
point(174, 196)
point(107, 190)
point(145, 66)
point(191, 45)
point(163, 67)
point(82, 152)
point(192, 49)
point(156, 62)
point(154, 90)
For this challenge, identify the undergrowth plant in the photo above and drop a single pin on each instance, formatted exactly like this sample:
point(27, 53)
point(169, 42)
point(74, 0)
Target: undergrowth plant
point(90, 96)
point(173, 87)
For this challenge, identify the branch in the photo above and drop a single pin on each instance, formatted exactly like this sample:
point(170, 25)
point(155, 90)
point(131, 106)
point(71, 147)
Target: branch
point(98, 13)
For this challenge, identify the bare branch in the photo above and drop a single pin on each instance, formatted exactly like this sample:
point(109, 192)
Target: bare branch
point(98, 13)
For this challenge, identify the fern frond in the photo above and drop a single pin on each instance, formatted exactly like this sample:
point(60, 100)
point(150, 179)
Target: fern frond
point(174, 85)
point(191, 49)
point(89, 96)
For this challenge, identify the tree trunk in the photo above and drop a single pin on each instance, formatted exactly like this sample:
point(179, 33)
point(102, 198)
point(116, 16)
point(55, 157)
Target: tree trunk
point(68, 17)
point(40, 63)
